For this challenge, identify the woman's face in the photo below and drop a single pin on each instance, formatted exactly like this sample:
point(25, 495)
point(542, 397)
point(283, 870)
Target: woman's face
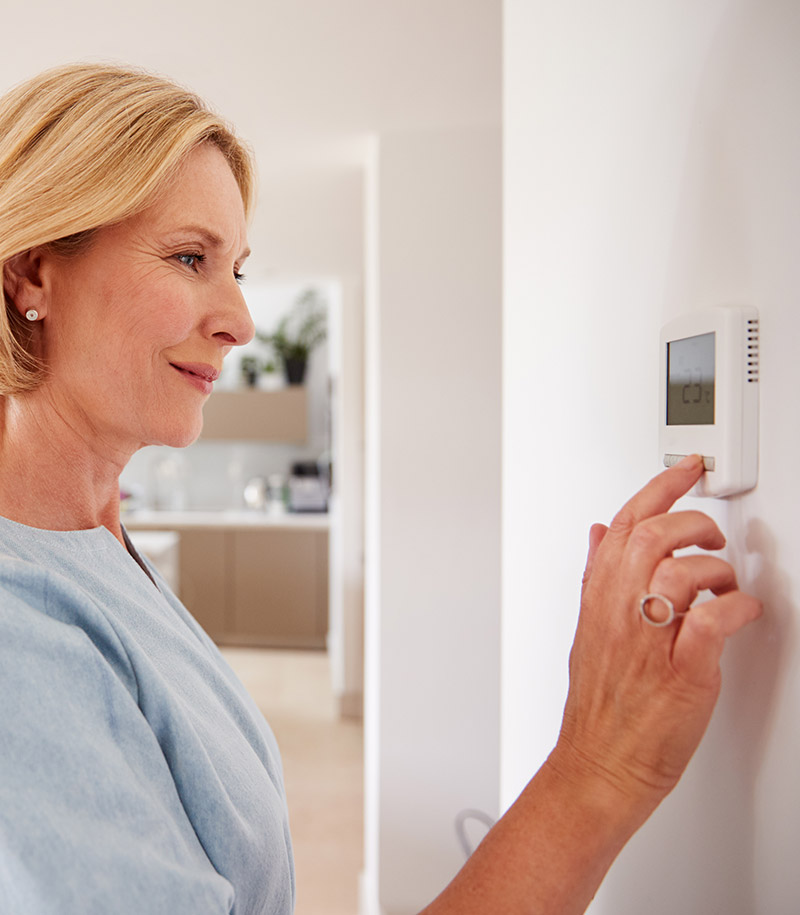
point(137, 326)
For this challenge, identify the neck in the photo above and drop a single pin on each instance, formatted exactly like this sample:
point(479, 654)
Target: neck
point(53, 476)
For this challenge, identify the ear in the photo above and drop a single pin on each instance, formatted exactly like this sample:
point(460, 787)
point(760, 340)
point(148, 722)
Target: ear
point(22, 282)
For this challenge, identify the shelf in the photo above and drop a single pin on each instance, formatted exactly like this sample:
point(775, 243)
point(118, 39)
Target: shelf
point(253, 415)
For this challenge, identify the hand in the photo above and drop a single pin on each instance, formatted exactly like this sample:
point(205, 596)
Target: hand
point(641, 697)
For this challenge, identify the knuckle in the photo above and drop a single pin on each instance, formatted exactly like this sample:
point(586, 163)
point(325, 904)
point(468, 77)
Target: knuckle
point(726, 574)
point(670, 576)
point(647, 536)
point(708, 531)
point(705, 626)
point(623, 522)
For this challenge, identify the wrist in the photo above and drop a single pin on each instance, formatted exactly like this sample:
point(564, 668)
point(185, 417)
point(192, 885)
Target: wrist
point(600, 794)
point(552, 848)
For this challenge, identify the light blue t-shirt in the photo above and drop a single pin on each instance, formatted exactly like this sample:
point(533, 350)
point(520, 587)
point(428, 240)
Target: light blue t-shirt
point(137, 777)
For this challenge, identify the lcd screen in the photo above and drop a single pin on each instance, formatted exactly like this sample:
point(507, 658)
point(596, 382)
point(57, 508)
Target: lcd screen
point(690, 381)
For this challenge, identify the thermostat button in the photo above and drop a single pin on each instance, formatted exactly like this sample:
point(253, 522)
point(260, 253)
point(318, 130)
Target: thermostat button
point(670, 460)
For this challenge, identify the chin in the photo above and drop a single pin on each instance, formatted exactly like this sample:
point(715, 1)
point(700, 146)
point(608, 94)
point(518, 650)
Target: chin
point(180, 435)
point(180, 442)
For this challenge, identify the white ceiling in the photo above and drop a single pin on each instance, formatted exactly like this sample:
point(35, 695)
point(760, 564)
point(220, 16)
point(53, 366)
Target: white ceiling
point(304, 81)
point(298, 77)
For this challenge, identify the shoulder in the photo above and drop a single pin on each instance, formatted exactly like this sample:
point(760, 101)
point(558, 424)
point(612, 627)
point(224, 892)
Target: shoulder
point(46, 622)
point(85, 782)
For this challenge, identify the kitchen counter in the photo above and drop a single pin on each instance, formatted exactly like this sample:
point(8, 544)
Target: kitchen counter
point(242, 519)
point(250, 577)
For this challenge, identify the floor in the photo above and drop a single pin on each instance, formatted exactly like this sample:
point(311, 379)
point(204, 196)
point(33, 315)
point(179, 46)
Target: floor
point(323, 770)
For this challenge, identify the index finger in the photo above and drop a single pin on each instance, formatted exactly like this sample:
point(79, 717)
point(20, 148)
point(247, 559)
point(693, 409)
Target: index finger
point(659, 495)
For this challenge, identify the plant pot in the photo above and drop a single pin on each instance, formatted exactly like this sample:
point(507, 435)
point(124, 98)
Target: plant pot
point(295, 370)
point(270, 381)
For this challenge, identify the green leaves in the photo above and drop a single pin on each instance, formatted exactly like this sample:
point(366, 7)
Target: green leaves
point(300, 331)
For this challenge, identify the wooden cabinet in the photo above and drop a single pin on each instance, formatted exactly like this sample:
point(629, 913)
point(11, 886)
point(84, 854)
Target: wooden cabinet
point(257, 587)
point(279, 587)
point(253, 415)
point(203, 579)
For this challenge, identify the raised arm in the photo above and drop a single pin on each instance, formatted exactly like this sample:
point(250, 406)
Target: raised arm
point(640, 699)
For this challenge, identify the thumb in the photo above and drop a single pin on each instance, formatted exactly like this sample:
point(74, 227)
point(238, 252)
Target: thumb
point(596, 534)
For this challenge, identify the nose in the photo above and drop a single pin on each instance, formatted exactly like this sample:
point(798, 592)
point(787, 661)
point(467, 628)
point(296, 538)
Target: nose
point(232, 323)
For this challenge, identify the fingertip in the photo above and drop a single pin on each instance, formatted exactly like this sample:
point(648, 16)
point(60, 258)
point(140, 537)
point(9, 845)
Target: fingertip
point(660, 494)
point(692, 462)
point(596, 533)
point(758, 608)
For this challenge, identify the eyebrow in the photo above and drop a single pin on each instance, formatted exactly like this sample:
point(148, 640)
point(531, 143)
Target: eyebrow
point(210, 238)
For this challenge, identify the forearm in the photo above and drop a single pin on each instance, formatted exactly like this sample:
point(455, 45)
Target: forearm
point(639, 701)
point(551, 850)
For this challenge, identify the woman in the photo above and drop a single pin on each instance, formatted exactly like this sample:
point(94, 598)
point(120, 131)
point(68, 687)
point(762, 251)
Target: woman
point(136, 775)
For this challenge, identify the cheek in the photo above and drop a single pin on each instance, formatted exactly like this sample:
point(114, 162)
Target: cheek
point(149, 316)
point(116, 324)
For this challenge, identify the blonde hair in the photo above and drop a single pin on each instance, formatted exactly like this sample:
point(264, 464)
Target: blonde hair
point(83, 146)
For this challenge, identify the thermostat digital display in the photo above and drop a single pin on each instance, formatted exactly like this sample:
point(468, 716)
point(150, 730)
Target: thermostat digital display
point(709, 396)
point(690, 381)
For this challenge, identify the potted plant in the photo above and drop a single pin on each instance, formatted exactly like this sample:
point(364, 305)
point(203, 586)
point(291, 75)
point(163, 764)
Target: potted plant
point(249, 368)
point(259, 372)
point(297, 333)
point(269, 379)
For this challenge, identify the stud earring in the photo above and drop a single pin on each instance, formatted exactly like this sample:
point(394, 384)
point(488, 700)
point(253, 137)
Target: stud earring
point(32, 314)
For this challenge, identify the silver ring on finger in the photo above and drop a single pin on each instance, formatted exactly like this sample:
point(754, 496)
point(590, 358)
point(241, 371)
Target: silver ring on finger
point(672, 613)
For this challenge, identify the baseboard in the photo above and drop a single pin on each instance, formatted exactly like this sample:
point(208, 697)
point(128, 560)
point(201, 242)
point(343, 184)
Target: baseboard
point(368, 896)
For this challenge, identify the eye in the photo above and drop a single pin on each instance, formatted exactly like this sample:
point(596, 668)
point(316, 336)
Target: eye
point(192, 261)
point(239, 277)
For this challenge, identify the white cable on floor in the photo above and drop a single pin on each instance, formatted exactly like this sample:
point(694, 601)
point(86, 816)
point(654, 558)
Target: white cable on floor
point(461, 819)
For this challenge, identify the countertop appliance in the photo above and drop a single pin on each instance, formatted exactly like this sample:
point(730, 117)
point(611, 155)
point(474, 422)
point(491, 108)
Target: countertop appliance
point(308, 488)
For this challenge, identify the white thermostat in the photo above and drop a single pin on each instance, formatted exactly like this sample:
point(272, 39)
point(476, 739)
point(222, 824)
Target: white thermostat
point(709, 396)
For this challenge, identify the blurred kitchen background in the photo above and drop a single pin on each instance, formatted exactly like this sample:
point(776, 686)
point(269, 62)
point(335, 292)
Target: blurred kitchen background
point(376, 129)
point(244, 520)
point(248, 525)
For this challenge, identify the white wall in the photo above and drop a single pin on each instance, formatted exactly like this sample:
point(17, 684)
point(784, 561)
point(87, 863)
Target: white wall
point(346, 606)
point(434, 323)
point(651, 158)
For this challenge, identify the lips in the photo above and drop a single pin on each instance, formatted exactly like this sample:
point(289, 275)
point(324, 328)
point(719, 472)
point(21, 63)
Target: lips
point(201, 369)
point(199, 374)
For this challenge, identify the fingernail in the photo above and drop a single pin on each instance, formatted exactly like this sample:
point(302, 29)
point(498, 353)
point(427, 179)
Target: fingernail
point(690, 461)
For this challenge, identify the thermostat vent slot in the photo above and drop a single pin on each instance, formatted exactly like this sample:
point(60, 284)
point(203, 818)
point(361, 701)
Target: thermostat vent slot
point(752, 350)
